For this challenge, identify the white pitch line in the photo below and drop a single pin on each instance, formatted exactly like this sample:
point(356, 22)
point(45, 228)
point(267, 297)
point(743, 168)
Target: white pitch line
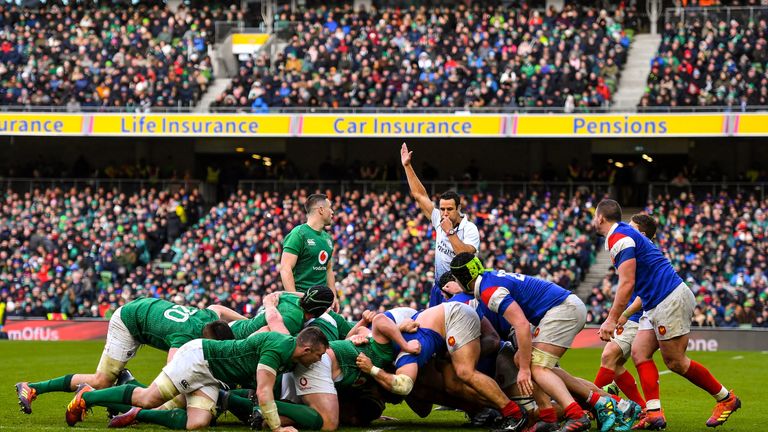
point(665, 372)
point(737, 358)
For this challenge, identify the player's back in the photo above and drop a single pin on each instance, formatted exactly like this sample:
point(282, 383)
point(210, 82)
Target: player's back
point(655, 277)
point(164, 325)
point(235, 361)
point(399, 314)
point(498, 289)
point(346, 354)
point(290, 310)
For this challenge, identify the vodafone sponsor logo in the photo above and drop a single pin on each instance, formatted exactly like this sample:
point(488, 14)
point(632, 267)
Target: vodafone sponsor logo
point(322, 257)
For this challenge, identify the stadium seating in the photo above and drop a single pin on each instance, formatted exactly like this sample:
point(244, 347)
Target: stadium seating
point(72, 251)
point(711, 61)
point(384, 248)
point(87, 57)
point(423, 57)
point(717, 243)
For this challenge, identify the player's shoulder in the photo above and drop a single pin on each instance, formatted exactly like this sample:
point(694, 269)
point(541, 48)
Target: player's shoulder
point(623, 236)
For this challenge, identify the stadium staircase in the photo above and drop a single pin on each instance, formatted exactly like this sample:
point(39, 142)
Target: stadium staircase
point(215, 89)
point(601, 265)
point(635, 74)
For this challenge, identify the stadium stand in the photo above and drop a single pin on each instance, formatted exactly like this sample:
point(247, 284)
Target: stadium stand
point(420, 57)
point(71, 251)
point(711, 61)
point(717, 243)
point(384, 253)
point(85, 57)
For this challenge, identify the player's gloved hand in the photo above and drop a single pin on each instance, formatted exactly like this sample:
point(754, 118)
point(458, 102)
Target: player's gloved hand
point(364, 363)
point(412, 347)
point(607, 329)
point(524, 382)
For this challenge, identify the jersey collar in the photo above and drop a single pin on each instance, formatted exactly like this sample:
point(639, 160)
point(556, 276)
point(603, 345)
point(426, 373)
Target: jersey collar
point(610, 231)
point(477, 286)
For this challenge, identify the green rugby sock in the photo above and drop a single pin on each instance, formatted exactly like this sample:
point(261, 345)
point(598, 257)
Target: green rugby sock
point(241, 407)
point(304, 416)
point(136, 383)
point(60, 384)
point(112, 395)
point(173, 419)
point(242, 392)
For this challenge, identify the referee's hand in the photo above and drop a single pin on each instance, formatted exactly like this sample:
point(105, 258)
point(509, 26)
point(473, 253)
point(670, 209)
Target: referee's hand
point(405, 155)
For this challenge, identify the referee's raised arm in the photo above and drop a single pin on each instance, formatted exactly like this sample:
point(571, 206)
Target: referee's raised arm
point(418, 191)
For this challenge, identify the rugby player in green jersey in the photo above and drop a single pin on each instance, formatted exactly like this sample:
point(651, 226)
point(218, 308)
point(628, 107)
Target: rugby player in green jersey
point(145, 321)
point(316, 386)
point(197, 371)
point(294, 311)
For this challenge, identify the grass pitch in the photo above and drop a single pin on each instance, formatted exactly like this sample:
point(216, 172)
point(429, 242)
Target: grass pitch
point(686, 407)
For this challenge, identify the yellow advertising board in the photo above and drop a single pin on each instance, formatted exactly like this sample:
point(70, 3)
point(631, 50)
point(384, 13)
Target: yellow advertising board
point(751, 124)
point(619, 125)
point(40, 124)
point(190, 125)
point(402, 125)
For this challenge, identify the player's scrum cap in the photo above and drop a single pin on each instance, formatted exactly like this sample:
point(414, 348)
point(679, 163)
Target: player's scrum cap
point(445, 278)
point(465, 267)
point(317, 300)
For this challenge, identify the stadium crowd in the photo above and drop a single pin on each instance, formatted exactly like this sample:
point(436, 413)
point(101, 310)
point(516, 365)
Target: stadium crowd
point(72, 251)
point(717, 243)
point(711, 61)
point(426, 57)
point(383, 256)
point(88, 57)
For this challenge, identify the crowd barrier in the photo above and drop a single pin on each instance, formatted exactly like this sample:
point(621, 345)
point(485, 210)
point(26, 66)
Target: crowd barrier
point(715, 339)
point(458, 124)
point(711, 339)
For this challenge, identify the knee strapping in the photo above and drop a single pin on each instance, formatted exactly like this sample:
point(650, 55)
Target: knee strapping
point(543, 359)
point(402, 385)
point(166, 387)
point(110, 367)
point(201, 402)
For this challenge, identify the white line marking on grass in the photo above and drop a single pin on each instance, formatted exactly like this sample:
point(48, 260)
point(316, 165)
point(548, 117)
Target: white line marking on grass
point(665, 372)
point(383, 429)
point(737, 358)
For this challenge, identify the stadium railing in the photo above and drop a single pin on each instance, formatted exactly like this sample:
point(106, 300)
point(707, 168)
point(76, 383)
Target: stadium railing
point(726, 13)
point(126, 185)
point(433, 187)
point(714, 188)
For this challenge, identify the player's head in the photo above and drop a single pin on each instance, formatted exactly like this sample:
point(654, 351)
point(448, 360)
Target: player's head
point(645, 224)
point(218, 330)
point(448, 285)
point(465, 268)
point(317, 300)
point(311, 344)
point(450, 206)
point(607, 213)
point(361, 406)
point(318, 205)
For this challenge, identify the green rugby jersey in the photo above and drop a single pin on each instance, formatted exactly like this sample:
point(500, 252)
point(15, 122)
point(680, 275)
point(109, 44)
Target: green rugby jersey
point(314, 250)
point(164, 325)
point(235, 361)
point(333, 325)
point(290, 310)
point(346, 356)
